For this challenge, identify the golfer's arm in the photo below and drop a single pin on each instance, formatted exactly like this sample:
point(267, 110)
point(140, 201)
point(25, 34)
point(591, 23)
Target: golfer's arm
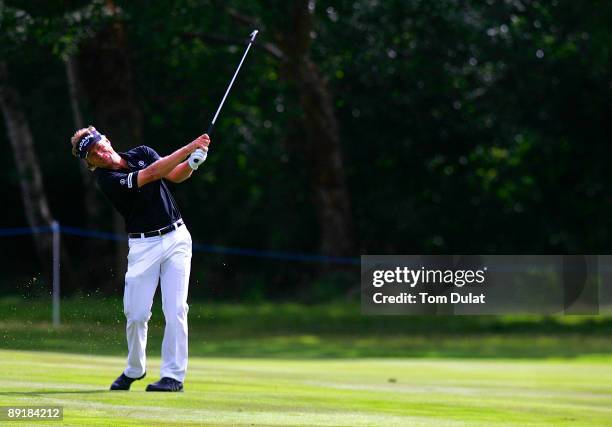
point(163, 166)
point(180, 173)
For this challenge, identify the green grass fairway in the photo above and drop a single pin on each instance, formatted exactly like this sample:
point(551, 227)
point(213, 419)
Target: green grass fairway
point(348, 392)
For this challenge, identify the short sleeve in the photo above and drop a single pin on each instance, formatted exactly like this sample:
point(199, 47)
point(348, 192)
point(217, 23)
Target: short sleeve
point(119, 181)
point(151, 154)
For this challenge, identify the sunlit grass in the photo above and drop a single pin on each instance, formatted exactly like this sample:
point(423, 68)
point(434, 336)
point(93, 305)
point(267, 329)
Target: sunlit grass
point(347, 392)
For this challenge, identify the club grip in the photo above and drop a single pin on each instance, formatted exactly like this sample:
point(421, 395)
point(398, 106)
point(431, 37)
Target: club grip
point(197, 157)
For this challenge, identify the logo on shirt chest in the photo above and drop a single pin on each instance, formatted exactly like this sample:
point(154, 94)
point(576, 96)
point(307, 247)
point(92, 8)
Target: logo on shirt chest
point(141, 163)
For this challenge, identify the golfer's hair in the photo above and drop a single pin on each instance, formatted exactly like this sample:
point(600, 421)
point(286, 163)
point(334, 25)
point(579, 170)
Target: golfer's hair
point(77, 137)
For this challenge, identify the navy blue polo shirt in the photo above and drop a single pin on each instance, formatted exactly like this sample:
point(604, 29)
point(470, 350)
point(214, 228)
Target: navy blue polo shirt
point(147, 208)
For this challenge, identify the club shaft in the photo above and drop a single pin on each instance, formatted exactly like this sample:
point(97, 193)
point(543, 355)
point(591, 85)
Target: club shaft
point(212, 124)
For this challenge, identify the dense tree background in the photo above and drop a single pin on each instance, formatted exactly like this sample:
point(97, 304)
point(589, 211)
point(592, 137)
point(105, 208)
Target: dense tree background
point(356, 127)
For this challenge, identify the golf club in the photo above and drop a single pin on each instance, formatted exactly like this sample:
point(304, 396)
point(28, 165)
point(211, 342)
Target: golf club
point(199, 155)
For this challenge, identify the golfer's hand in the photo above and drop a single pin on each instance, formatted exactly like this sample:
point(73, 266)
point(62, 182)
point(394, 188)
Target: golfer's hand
point(200, 142)
point(200, 151)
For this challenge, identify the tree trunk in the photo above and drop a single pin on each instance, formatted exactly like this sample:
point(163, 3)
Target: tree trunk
point(91, 199)
point(30, 177)
point(106, 79)
point(324, 155)
point(33, 193)
point(321, 148)
point(315, 137)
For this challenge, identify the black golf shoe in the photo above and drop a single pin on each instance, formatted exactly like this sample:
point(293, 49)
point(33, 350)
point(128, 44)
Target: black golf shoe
point(124, 382)
point(166, 384)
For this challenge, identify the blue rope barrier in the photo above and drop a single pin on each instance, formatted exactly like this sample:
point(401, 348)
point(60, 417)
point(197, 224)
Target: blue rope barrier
point(287, 256)
point(6, 232)
point(74, 231)
point(198, 247)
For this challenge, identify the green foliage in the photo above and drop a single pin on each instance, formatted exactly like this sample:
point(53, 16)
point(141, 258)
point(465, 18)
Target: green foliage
point(466, 126)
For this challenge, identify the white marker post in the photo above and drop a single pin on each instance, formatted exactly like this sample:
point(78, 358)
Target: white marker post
point(55, 228)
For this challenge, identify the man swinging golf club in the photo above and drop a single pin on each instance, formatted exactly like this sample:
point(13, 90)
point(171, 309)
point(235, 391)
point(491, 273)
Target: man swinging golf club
point(159, 246)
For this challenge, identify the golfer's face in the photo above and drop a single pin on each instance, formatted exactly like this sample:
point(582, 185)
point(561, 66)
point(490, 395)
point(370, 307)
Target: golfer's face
point(100, 153)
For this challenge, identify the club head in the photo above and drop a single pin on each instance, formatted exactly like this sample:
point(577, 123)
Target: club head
point(253, 35)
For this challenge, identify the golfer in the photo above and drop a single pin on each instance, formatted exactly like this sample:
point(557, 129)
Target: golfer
point(159, 246)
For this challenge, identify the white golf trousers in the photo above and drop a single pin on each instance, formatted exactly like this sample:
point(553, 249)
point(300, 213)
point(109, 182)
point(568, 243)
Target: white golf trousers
point(167, 259)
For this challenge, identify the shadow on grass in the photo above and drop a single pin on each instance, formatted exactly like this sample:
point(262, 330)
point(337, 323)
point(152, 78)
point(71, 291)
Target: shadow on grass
point(109, 341)
point(96, 326)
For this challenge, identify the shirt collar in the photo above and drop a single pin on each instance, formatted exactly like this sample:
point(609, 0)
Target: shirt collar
point(129, 157)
